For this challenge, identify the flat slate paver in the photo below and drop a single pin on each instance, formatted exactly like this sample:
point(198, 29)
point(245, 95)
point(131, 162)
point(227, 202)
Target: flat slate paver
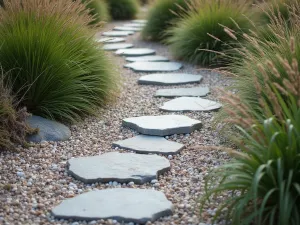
point(139, 21)
point(117, 33)
point(183, 92)
point(136, 52)
point(128, 28)
point(120, 167)
point(113, 47)
point(134, 25)
point(154, 66)
point(111, 40)
point(150, 58)
point(169, 79)
point(121, 204)
point(162, 125)
point(184, 104)
point(145, 144)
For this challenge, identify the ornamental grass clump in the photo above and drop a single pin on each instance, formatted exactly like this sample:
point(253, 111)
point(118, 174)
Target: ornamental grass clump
point(201, 37)
point(162, 15)
point(98, 9)
point(123, 9)
point(56, 67)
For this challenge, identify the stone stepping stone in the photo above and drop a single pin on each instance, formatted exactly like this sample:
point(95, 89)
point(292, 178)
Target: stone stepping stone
point(139, 21)
point(170, 79)
point(117, 33)
point(186, 104)
point(162, 125)
point(128, 28)
point(182, 92)
point(151, 58)
point(121, 204)
point(113, 47)
point(154, 66)
point(134, 25)
point(120, 167)
point(145, 144)
point(136, 52)
point(48, 130)
point(111, 40)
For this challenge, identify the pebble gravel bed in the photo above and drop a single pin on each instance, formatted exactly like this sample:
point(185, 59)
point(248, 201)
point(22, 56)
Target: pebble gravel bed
point(35, 179)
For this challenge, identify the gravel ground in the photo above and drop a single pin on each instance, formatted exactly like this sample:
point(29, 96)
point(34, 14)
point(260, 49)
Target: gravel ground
point(35, 180)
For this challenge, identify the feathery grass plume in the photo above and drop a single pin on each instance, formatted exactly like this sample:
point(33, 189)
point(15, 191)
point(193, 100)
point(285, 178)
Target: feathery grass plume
point(206, 35)
point(13, 128)
point(98, 9)
point(54, 62)
point(123, 9)
point(162, 14)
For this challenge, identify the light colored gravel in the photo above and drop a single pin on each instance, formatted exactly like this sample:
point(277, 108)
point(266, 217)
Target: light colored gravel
point(35, 180)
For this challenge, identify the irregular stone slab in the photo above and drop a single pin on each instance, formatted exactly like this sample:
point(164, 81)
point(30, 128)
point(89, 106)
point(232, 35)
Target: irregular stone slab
point(154, 66)
point(145, 144)
point(135, 52)
point(121, 204)
point(134, 25)
point(120, 167)
point(117, 33)
point(128, 28)
point(183, 92)
point(184, 104)
point(169, 79)
point(111, 40)
point(140, 21)
point(113, 47)
point(151, 58)
point(162, 125)
point(47, 130)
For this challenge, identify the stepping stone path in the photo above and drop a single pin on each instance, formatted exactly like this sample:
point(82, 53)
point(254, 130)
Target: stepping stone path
point(145, 144)
point(154, 66)
point(111, 40)
point(151, 58)
point(113, 47)
point(135, 52)
point(120, 167)
point(170, 79)
point(162, 125)
point(117, 33)
point(122, 204)
point(183, 92)
point(139, 21)
point(134, 25)
point(128, 28)
point(184, 104)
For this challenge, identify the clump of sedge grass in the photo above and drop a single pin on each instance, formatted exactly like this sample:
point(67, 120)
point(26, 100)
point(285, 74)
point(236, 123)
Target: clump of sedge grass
point(54, 62)
point(123, 9)
point(99, 10)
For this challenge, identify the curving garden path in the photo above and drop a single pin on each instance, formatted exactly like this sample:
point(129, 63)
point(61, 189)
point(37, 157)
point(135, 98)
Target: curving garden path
point(140, 162)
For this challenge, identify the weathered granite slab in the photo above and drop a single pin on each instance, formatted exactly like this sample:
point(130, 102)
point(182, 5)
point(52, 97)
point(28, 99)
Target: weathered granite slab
point(113, 47)
point(111, 40)
point(151, 58)
point(162, 125)
point(154, 66)
point(120, 167)
point(136, 52)
point(121, 204)
point(117, 33)
point(182, 92)
point(169, 79)
point(47, 130)
point(184, 104)
point(134, 29)
point(145, 144)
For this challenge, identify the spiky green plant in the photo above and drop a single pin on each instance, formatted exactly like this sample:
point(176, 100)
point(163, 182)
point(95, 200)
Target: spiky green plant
point(98, 9)
point(54, 62)
point(201, 37)
point(161, 16)
point(123, 9)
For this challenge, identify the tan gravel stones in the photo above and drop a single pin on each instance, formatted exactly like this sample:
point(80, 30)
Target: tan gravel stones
point(182, 92)
point(117, 33)
point(113, 47)
point(135, 52)
point(154, 66)
point(169, 79)
point(162, 125)
point(121, 204)
point(120, 167)
point(184, 104)
point(145, 144)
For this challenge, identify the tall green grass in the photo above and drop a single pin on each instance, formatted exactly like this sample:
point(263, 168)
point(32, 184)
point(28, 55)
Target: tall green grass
point(161, 16)
point(99, 10)
point(123, 9)
point(201, 37)
point(53, 60)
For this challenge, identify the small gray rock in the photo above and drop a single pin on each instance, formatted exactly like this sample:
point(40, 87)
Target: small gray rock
point(121, 204)
point(48, 130)
point(183, 92)
point(151, 58)
point(169, 79)
point(154, 66)
point(136, 52)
